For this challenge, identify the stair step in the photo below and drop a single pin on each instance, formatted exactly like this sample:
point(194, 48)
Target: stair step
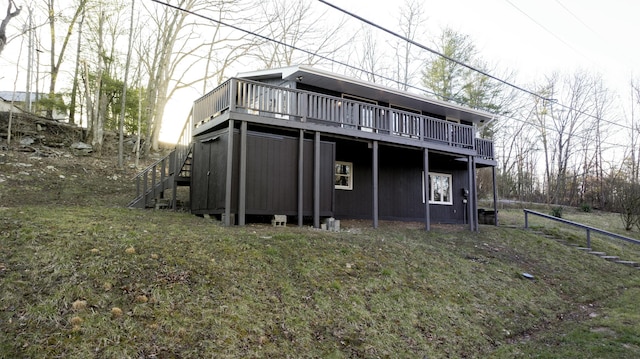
point(628, 263)
point(599, 254)
point(610, 258)
point(584, 249)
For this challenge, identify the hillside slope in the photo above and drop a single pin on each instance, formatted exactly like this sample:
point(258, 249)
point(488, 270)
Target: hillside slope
point(82, 276)
point(185, 286)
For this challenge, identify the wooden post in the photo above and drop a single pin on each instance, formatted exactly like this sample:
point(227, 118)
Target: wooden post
point(316, 181)
point(145, 188)
point(475, 193)
point(301, 178)
point(375, 184)
point(229, 177)
point(471, 195)
point(427, 212)
point(233, 94)
point(163, 170)
point(153, 181)
point(495, 195)
point(242, 186)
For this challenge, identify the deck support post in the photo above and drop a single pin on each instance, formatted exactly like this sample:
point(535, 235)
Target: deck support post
point(301, 178)
point(474, 177)
point(425, 190)
point(242, 186)
point(376, 159)
point(227, 196)
point(470, 204)
point(316, 180)
point(495, 195)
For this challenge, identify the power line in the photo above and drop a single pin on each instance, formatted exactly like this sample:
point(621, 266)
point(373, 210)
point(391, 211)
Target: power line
point(380, 76)
point(175, 7)
point(577, 18)
point(482, 72)
point(547, 30)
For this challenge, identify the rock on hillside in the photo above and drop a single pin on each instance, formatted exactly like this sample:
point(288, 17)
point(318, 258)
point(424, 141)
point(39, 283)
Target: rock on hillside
point(40, 167)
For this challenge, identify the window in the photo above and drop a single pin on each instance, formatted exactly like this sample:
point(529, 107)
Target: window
point(439, 188)
point(344, 175)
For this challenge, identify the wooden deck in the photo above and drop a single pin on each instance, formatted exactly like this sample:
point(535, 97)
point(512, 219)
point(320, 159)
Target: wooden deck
point(299, 109)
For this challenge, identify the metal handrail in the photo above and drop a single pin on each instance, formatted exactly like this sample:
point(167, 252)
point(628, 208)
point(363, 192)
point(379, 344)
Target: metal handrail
point(589, 229)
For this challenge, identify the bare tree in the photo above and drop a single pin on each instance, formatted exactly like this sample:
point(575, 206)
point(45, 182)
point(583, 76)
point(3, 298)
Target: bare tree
point(176, 42)
point(5, 22)
point(295, 23)
point(410, 23)
point(57, 57)
point(369, 57)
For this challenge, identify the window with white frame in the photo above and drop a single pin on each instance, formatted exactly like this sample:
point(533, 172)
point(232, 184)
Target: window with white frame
point(439, 188)
point(344, 175)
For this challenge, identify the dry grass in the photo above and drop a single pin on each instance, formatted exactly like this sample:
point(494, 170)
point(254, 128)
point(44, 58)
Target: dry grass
point(193, 288)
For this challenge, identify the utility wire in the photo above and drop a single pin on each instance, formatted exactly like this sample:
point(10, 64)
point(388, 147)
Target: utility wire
point(299, 49)
point(379, 76)
point(482, 72)
point(547, 30)
point(577, 18)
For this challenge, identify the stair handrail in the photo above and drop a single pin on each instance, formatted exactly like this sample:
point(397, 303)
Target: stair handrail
point(589, 229)
point(150, 167)
point(143, 187)
point(183, 144)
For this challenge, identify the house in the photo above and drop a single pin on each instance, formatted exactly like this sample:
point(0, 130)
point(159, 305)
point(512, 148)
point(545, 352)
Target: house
point(310, 144)
point(16, 101)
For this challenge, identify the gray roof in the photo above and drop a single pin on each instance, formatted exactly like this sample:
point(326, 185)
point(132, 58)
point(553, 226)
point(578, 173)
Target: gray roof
point(17, 96)
point(344, 84)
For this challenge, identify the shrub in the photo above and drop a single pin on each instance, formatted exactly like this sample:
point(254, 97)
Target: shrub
point(586, 208)
point(556, 211)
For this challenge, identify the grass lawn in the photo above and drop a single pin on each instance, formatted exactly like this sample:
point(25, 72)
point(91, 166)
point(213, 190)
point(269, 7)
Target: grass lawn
point(94, 281)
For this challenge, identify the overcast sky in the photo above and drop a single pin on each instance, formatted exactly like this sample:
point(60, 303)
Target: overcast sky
point(535, 37)
point(532, 38)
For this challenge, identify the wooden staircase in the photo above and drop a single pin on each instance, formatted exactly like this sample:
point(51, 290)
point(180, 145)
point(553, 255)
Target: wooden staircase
point(166, 174)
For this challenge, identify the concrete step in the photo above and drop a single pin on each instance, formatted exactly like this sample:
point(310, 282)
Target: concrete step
point(628, 263)
point(584, 249)
point(599, 254)
point(610, 258)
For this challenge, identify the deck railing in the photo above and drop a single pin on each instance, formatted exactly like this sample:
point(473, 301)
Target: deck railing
point(484, 148)
point(296, 105)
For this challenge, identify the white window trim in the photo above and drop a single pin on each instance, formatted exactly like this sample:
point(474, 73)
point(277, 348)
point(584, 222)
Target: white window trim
point(349, 186)
point(431, 201)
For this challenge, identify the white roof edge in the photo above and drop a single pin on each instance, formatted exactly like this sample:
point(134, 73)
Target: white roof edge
point(290, 70)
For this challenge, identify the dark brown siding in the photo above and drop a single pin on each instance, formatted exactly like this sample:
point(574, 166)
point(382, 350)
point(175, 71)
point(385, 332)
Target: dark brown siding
point(399, 182)
point(272, 174)
point(355, 203)
point(209, 173)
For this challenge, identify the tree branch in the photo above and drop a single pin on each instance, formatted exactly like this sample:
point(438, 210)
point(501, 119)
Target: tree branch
point(5, 22)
